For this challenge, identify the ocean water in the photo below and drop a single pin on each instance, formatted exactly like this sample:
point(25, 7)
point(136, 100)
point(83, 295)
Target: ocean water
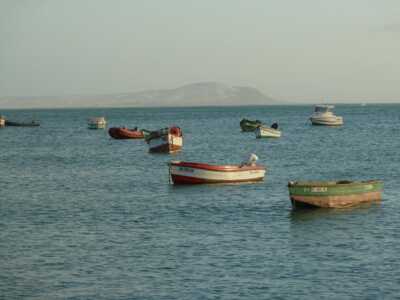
point(83, 216)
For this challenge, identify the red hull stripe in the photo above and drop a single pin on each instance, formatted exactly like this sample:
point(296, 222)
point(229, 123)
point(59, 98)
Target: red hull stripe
point(221, 168)
point(179, 179)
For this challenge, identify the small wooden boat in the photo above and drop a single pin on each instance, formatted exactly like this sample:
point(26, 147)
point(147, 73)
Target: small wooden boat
point(249, 125)
point(196, 173)
point(166, 140)
point(323, 115)
point(97, 123)
point(334, 194)
point(32, 123)
point(267, 132)
point(121, 133)
point(2, 121)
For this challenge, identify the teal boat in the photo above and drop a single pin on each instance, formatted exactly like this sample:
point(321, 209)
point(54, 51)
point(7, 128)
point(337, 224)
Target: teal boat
point(334, 194)
point(145, 132)
point(249, 125)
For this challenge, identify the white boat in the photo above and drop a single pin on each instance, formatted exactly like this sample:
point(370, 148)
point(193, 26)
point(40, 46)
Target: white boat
point(166, 140)
point(2, 121)
point(96, 123)
point(323, 115)
point(182, 172)
point(268, 132)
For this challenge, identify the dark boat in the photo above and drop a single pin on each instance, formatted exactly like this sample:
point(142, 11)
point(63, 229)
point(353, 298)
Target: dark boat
point(22, 124)
point(250, 125)
point(121, 133)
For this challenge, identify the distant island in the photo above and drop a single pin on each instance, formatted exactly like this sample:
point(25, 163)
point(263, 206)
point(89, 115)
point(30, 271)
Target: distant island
point(195, 94)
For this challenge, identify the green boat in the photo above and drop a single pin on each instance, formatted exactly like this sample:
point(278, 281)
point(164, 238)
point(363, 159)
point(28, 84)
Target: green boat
point(334, 194)
point(249, 125)
point(146, 132)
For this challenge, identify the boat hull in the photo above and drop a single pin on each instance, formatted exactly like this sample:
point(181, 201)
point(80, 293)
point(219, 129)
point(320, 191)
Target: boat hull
point(265, 132)
point(124, 133)
point(21, 124)
point(334, 194)
point(195, 173)
point(97, 123)
point(165, 144)
point(331, 121)
point(249, 126)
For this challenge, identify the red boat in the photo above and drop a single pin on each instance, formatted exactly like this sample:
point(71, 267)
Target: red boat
point(125, 133)
point(183, 172)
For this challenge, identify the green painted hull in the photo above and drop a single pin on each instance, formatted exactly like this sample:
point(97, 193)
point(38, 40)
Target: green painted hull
point(334, 193)
point(248, 125)
point(333, 188)
point(146, 132)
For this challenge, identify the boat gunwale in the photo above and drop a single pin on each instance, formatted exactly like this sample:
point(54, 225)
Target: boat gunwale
point(321, 190)
point(333, 183)
point(263, 127)
point(217, 168)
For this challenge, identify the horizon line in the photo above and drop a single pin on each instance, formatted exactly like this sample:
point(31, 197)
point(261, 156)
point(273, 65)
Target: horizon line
point(200, 106)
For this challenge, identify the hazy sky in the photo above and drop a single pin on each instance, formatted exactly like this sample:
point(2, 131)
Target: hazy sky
point(289, 49)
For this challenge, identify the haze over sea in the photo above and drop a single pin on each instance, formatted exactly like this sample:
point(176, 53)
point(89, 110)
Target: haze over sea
point(83, 216)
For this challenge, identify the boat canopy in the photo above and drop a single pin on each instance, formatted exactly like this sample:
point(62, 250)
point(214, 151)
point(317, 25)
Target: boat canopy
point(323, 108)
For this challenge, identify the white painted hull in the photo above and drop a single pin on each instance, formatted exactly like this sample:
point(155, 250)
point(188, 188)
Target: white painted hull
point(327, 121)
point(266, 132)
point(326, 117)
point(193, 175)
point(167, 143)
point(2, 122)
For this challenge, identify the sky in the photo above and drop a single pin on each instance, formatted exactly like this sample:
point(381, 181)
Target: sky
point(309, 50)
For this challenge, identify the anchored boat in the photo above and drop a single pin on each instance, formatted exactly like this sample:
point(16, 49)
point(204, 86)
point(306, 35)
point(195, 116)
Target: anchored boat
point(323, 115)
point(166, 140)
point(32, 123)
point(125, 133)
point(334, 194)
point(249, 125)
point(268, 132)
point(196, 173)
point(97, 123)
point(2, 121)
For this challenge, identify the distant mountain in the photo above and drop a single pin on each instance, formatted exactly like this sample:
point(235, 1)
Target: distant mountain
point(196, 94)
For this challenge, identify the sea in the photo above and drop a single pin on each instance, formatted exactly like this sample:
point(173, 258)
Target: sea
point(84, 216)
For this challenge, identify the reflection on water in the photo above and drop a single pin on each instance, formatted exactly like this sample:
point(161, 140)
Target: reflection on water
point(302, 214)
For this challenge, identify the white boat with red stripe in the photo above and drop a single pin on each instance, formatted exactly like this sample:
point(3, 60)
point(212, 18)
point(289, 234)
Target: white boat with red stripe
point(182, 172)
point(166, 140)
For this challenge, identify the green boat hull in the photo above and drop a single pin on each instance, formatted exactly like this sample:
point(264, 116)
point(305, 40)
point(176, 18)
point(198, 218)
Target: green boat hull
point(334, 194)
point(248, 125)
point(146, 132)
